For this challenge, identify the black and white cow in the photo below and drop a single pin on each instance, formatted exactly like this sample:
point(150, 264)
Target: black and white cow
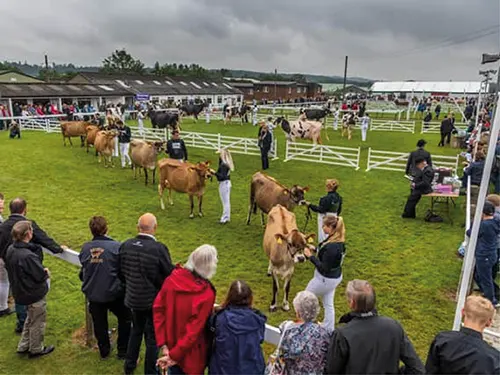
point(349, 121)
point(315, 114)
point(300, 129)
point(192, 109)
point(163, 119)
point(241, 111)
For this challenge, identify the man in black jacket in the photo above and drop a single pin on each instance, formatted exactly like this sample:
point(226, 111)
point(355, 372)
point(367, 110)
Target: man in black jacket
point(4, 278)
point(18, 209)
point(29, 280)
point(144, 264)
point(124, 137)
point(465, 351)
point(422, 184)
point(446, 130)
point(265, 142)
point(369, 343)
point(419, 153)
point(103, 288)
point(176, 149)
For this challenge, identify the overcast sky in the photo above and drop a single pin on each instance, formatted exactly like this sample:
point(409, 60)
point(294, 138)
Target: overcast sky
point(385, 39)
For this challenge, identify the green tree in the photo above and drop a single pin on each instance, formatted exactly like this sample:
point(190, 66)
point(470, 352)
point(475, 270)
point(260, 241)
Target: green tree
point(120, 61)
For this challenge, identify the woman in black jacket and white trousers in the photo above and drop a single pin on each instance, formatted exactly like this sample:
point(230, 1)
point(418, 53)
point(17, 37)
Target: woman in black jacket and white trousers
point(226, 166)
point(328, 264)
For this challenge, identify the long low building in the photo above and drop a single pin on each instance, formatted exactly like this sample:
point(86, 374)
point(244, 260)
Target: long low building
point(98, 89)
point(455, 88)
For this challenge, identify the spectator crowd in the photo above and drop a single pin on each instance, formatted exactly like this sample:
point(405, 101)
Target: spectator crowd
point(171, 307)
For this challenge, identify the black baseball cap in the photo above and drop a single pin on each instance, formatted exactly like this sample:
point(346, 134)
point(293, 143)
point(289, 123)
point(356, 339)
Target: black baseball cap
point(421, 143)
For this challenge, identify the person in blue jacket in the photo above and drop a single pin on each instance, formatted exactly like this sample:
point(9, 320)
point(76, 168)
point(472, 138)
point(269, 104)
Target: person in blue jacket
point(239, 333)
point(486, 254)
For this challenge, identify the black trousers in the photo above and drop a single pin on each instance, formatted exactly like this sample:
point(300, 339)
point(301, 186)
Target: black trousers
point(264, 158)
point(142, 325)
point(443, 136)
point(99, 312)
point(411, 204)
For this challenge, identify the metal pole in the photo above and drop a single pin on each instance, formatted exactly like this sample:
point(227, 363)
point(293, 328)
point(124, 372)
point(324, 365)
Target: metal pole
point(471, 249)
point(345, 77)
point(275, 79)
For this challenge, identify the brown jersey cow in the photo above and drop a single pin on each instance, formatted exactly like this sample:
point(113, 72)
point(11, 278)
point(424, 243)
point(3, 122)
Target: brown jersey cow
point(105, 144)
point(184, 177)
point(91, 131)
point(71, 129)
point(284, 245)
point(144, 155)
point(266, 192)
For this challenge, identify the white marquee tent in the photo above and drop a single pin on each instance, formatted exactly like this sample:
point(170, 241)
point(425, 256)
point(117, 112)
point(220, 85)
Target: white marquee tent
point(458, 87)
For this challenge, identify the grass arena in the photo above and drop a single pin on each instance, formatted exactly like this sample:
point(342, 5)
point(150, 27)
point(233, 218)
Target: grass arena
point(411, 264)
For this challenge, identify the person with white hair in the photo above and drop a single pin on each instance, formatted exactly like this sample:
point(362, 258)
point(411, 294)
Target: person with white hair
point(304, 344)
point(226, 166)
point(181, 311)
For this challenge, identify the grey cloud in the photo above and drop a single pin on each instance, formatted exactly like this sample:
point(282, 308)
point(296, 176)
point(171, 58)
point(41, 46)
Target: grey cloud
point(291, 35)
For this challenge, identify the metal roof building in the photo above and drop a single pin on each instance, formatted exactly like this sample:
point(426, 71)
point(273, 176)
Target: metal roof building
point(457, 87)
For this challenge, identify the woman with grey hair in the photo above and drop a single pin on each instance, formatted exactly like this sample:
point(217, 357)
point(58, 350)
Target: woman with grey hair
point(304, 344)
point(181, 310)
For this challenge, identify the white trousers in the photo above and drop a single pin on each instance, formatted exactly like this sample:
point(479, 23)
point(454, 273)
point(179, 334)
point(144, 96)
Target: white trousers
point(335, 124)
point(325, 288)
point(115, 152)
point(4, 287)
point(140, 124)
point(207, 117)
point(225, 198)
point(124, 153)
point(254, 119)
point(364, 131)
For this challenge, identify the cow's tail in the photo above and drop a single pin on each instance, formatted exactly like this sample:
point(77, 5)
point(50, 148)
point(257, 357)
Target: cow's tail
point(253, 204)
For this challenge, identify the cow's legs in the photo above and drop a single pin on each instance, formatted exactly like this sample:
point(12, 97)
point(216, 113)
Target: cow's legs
point(64, 140)
point(82, 140)
point(70, 142)
point(270, 269)
point(191, 201)
point(160, 193)
point(250, 207)
point(286, 287)
point(200, 202)
point(146, 177)
point(276, 288)
point(262, 218)
point(170, 201)
point(154, 172)
point(99, 157)
point(134, 167)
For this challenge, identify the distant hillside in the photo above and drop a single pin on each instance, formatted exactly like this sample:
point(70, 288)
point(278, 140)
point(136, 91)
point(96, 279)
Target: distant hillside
point(34, 70)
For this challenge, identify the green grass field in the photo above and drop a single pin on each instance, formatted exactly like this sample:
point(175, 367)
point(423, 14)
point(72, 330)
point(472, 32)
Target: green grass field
point(412, 264)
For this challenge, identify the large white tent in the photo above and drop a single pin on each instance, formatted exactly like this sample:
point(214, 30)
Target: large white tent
point(428, 87)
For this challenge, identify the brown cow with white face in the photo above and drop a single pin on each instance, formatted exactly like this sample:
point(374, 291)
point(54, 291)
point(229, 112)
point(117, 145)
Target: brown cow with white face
point(184, 177)
point(266, 192)
point(284, 245)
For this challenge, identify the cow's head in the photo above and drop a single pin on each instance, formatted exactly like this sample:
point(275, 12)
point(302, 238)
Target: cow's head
point(159, 146)
point(295, 243)
point(204, 171)
point(297, 194)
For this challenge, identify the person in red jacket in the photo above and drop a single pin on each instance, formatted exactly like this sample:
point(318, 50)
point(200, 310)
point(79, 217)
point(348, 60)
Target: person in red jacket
point(180, 313)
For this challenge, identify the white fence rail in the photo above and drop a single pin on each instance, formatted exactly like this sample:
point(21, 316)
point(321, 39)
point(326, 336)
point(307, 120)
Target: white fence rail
point(435, 127)
point(393, 126)
point(343, 156)
point(396, 161)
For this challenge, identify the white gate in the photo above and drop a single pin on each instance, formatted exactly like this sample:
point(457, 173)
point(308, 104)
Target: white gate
point(393, 126)
point(344, 156)
point(149, 134)
point(396, 161)
point(435, 127)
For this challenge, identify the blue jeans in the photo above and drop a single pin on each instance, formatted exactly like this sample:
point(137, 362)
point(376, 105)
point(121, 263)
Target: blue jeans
point(22, 314)
point(484, 277)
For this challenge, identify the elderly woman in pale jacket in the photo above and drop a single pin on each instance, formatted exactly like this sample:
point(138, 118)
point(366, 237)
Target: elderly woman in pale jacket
point(304, 344)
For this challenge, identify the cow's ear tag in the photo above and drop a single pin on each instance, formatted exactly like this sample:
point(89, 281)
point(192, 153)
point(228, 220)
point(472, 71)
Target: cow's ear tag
point(310, 240)
point(279, 241)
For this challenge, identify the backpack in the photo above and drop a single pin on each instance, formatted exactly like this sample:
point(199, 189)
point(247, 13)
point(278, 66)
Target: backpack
point(431, 217)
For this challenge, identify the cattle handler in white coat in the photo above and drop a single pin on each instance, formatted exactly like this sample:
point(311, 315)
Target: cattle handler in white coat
point(226, 166)
point(365, 123)
point(331, 203)
point(328, 266)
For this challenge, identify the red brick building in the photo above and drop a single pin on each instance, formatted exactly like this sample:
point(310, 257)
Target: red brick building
point(278, 90)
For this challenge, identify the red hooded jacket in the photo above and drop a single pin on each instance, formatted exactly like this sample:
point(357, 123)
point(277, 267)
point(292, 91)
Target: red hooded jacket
point(180, 312)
